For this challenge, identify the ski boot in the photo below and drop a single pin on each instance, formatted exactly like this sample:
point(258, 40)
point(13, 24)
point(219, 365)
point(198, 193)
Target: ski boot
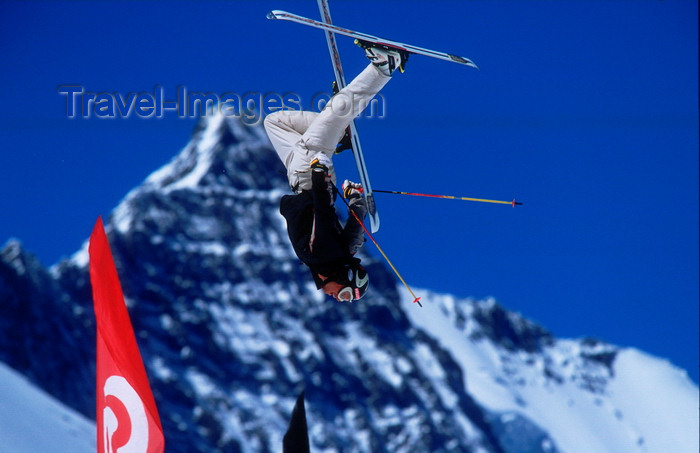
point(386, 59)
point(345, 142)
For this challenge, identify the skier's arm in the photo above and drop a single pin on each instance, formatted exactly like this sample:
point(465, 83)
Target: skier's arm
point(323, 199)
point(353, 233)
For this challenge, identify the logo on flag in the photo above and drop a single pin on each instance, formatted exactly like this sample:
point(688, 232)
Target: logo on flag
point(128, 412)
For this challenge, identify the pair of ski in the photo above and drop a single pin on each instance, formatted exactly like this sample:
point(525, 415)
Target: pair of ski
point(330, 30)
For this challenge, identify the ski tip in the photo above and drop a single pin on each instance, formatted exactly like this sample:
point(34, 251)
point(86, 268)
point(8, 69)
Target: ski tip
point(463, 60)
point(371, 210)
point(274, 14)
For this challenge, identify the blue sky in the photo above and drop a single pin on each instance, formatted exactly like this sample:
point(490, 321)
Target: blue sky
point(586, 111)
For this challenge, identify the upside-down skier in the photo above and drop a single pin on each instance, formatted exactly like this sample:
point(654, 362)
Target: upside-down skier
point(306, 142)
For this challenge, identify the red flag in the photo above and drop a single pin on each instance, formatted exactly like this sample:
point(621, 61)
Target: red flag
point(127, 417)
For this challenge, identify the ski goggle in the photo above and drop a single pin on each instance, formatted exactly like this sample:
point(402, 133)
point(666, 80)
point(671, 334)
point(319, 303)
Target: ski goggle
point(346, 294)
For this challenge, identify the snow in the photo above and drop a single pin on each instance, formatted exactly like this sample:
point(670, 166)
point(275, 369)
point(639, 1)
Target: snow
point(369, 351)
point(81, 258)
point(668, 412)
point(207, 142)
point(32, 421)
point(646, 406)
point(13, 251)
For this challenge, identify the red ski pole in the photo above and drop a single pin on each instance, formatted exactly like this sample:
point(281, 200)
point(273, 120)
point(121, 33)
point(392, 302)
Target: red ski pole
point(481, 200)
point(416, 300)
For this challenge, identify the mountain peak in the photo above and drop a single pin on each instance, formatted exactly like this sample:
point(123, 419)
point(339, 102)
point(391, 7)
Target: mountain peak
point(223, 151)
point(224, 155)
point(21, 262)
point(12, 253)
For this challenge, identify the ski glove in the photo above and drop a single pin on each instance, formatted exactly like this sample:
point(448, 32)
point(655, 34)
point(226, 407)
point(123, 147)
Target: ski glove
point(352, 189)
point(321, 160)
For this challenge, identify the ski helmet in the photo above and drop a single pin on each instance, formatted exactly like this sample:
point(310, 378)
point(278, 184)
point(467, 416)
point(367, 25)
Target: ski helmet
point(356, 284)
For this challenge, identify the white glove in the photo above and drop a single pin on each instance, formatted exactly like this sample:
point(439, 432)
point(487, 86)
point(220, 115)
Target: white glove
point(321, 159)
point(352, 189)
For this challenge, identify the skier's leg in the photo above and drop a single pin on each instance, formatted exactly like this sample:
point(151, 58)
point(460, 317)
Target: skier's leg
point(285, 129)
point(321, 132)
point(329, 126)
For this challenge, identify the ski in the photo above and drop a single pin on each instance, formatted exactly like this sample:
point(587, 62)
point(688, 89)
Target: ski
point(330, 28)
point(356, 148)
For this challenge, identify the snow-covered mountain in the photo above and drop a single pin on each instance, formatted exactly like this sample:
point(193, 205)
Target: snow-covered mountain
point(589, 396)
point(32, 421)
point(232, 329)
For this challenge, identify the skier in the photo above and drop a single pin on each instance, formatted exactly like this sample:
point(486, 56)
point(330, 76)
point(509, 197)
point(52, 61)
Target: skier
point(305, 142)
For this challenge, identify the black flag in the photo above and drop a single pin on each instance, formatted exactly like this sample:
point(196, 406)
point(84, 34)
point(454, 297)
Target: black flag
point(296, 440)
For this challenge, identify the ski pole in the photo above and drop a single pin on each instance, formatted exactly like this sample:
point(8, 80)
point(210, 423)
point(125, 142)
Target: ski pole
point(482, 200)
point(416, 300)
